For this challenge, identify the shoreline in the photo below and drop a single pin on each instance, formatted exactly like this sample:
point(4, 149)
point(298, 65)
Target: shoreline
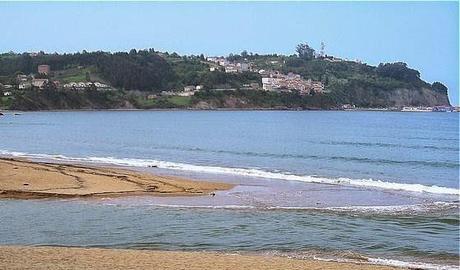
point(220, 109)
point(47, 257)
point(24, 179)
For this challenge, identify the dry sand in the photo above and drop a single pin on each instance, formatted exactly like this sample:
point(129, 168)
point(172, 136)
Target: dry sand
point(81, 258)
point(26, 179)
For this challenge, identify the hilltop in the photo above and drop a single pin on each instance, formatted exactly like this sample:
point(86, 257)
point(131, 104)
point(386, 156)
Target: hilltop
point(150, 79)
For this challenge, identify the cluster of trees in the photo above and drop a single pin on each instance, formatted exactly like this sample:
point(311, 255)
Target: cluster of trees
point(304, 51)
point(398, 71)
point(141, 70)
point(148, 70)
point(50, 99)
point(263, 99)
point(136, 70)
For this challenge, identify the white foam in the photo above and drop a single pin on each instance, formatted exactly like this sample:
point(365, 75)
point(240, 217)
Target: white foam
point(364, 183)
point(411, 265)
point(386, 209)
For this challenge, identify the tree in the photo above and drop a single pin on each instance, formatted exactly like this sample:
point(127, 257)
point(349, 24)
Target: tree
point(305, 52)
point(439, 87)
point(132, 52)
point(398, 71)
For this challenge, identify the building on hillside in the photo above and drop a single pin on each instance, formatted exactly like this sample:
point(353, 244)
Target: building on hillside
point(185, 94)
point(292, 82)
point(22, 78)
point(332, 58)
point(223, 62)
point(264, 72)
point(189, 88)
point(39, 83)
point(44, 69)
point(251, 86)
point(168, 93)
point(231, 68)
point(24, 85)
point(85, 85)
point(243, 67)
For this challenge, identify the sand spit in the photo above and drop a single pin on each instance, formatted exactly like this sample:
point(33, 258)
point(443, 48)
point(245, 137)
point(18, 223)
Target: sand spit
point(23, 179)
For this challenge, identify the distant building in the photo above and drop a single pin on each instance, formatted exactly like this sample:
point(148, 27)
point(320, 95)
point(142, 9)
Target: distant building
point(286, 83)
point(254, 85)
point(243, 67)
point(189, 88)
point(84, 85)
point(43, 69)
point(22, 78)
point(24, 85)
point(39, 83)
point(348, 107)
point(231, 69)
point(185, 94)
point(223, 62)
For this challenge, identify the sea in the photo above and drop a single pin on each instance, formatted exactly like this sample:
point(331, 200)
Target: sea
point(358, 186)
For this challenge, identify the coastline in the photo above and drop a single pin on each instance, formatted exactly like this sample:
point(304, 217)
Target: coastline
point(220, 109)
point(24, 179)
point(26, 257)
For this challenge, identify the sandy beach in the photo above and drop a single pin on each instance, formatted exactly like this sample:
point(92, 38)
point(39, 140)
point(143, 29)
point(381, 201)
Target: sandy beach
point(25, 179)
point(15, 257)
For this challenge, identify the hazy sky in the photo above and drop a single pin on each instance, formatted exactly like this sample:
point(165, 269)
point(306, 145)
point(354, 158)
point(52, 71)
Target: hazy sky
point(423, 34)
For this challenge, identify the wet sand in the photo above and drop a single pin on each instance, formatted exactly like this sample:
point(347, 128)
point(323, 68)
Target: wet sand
point(18, 257)
point(25, 179)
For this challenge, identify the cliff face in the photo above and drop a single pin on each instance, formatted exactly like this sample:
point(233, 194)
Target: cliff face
point(394, 98)
point(421, 97)
point(360, 97)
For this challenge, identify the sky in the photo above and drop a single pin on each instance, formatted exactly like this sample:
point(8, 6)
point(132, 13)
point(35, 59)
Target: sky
point(425, 35)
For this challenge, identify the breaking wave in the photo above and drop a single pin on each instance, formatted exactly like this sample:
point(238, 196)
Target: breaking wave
point(245, 172)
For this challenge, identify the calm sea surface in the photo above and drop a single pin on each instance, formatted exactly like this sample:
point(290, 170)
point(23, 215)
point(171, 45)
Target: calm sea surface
point(384, 185)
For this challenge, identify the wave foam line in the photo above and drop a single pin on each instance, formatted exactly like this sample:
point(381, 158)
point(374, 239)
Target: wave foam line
point(410, 265)
point(385, 210)
point(394, 263)
point(132, 162)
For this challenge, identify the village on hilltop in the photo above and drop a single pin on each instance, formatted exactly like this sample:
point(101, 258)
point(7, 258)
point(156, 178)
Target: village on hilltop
point(271, 80)
point(247, 72)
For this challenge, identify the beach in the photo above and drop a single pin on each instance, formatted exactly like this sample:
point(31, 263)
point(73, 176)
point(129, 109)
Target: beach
point(185, 189)
point(16, 257)
point(25, 179)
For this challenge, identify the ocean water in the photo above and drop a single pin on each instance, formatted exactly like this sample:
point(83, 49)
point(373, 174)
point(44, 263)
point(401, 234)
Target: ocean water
point(345, 185)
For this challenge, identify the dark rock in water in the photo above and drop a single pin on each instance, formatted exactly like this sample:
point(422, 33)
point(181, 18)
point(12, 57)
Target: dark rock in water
point(1, 114)
point(153, 166)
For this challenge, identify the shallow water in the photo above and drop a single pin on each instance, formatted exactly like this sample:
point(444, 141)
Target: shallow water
point(429, 238)
point(380, 184)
